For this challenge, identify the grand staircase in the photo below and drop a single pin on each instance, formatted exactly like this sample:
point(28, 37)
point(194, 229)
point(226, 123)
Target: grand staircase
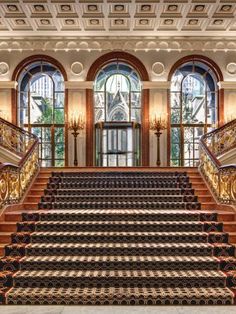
point(113, 237)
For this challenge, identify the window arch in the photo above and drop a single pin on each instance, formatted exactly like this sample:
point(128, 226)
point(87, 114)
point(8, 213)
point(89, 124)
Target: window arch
point(117, 94)
point(100, 63)
point(193, 109)
point(41, 108)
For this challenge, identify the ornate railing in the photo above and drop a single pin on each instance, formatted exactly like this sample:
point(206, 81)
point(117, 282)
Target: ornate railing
point(221, 179)
point(14, 179)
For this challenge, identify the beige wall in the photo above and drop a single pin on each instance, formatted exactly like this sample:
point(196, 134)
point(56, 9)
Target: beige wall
point(158, 96)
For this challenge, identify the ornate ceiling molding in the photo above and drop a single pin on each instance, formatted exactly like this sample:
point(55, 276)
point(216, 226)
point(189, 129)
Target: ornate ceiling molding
point(125, 44)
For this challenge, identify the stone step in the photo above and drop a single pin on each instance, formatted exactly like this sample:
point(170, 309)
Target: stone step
point(186, 249)
point(120, 296)
point(119, 278)
point(8, 226)
point(230, 226)
point(5, 237)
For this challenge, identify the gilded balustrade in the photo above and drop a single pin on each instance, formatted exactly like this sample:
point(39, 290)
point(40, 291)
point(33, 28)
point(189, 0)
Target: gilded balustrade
point(221, 179)
point(14, 179)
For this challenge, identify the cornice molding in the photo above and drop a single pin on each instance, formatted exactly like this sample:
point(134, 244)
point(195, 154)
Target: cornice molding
point(229, 85)
point(113, 43)
point(8, 84)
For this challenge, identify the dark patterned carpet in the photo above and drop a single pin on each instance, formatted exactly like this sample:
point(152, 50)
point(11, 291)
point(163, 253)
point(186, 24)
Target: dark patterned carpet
point(119, 238)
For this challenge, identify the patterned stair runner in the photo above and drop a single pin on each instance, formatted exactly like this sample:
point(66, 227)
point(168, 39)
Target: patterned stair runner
point(123, 238)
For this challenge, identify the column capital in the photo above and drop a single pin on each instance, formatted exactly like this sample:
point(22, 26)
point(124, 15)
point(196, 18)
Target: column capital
point(227, 85)
point(8, 84)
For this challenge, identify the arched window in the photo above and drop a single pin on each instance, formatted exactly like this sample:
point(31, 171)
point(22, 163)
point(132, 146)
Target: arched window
point(40, 109)
point(117, 115)
point(193, 110)
point(117, 94)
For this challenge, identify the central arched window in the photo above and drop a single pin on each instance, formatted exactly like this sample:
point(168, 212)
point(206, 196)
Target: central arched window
point(193, 110)
point(117, 94)
point(40, 109)
point(117, 115)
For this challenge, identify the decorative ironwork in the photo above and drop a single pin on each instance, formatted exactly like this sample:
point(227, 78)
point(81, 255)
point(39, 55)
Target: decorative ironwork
point(157, 124)
point(222, 179)
point(14, 179)
point(76, 124)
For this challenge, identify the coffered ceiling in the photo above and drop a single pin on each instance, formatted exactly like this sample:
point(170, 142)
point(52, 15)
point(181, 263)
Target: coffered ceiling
point(195, 18)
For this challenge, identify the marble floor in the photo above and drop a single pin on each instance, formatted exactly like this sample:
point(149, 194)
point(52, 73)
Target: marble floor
point(116, 310)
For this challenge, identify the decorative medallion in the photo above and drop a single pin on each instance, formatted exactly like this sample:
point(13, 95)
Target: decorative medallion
point(231, 68)
point(77, 68)
point(158, 68)
point(4, 68)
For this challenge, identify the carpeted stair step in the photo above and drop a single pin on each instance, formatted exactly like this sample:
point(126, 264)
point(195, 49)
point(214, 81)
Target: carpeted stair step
point(111, 262)
point(187, 249)
point(121, 237)
point(121, 214)
point(116, 198)
point(112, 191)
point(119, 175)
point(116, 226)
point(118, 184)
point(119, 205)
point(120, 296)
point(119, 278)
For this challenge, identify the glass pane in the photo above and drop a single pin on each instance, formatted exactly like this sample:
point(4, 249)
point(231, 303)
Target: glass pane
point(59, 135)
point(36, 131)
point(58, 81)
point(99, 115)
point(193, 99)
point(175, 145)
point(136, 100)
point(46, 163)
point(136, 115)
point(59, 116)
point(46, 151)
point(59, 100)
point(46, 135)
point(211, 108)
point(59, 163)
point(59, 151)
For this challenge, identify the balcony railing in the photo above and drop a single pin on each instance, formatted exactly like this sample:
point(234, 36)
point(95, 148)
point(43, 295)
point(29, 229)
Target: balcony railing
point(15, 179)
point(221, 179)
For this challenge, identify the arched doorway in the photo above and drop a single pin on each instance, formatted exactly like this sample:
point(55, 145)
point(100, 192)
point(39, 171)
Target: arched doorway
point(194, 108)
point(117, 112)
point(41, 108)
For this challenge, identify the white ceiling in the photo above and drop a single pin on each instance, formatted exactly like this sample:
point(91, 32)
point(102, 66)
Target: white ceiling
point(91, 19)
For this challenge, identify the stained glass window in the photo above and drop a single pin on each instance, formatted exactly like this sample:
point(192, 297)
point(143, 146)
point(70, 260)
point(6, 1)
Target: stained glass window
point(193, 110)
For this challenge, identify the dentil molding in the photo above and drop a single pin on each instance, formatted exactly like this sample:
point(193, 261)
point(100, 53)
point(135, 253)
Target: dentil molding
point(112, 43)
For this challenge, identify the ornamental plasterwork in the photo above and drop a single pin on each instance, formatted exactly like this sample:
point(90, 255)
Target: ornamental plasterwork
point(132, 44)
point(111, 17)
